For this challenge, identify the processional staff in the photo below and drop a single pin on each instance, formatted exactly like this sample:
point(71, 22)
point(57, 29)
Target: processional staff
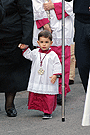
point(63, 56)
point(63, 60)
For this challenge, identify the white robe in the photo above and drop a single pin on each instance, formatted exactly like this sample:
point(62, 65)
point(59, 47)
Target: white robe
point(55, 24)
point(86, 113)
point(51, 65)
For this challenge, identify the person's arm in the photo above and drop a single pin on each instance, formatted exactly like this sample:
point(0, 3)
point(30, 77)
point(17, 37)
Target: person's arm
point(40, 15)
point(1, 12)
point(39, 12)
point(25, 10)
point(57, 68)
point(42, 22)
point(57, 8)
point(26, 52)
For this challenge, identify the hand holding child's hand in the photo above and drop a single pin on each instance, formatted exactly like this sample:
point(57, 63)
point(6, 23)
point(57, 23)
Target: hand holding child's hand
point(53, 79)
point(22, 46)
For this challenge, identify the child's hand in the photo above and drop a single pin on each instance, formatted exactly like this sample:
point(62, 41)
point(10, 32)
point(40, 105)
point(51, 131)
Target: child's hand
point(89, 8)
point(53, 79)
point(22, 46)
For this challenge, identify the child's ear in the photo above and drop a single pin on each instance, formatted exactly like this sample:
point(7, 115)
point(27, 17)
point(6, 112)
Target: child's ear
point(51, 43)
point(38, 42)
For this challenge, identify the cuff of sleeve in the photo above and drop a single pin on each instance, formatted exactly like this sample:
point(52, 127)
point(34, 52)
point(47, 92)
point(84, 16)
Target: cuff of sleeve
point(58, 10)
point(58, 75)
point(42, 22)
point(24, 50)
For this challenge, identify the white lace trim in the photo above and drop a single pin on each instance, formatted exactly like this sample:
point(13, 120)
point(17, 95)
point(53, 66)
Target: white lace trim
point(56, 42)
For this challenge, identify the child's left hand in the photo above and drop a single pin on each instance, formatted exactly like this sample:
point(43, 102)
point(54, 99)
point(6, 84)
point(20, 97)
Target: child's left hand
point(53, 79)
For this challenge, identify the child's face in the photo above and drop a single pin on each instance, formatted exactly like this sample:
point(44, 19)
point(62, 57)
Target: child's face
point(44, 43)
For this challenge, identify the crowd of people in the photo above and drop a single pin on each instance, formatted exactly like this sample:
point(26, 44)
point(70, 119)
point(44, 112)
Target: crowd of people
point(25, 25)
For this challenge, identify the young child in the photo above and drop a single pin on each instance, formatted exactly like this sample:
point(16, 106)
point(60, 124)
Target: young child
point(43, 82)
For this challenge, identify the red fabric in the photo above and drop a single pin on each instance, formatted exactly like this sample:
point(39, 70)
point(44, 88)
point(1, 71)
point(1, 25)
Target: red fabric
point(42, 22)
point(44, 51)
point(58, 51)
point(58, 10)
point(42, 102)
point(58, 74)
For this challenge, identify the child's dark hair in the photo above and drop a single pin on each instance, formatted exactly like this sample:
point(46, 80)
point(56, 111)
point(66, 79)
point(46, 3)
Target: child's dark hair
point(46, 34)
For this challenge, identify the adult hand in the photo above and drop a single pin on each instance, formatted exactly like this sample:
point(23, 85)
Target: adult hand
point(48, 6)
point(47, 27)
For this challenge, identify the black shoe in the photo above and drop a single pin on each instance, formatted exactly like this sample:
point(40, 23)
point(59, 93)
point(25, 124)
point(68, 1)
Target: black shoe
point(11, 112)
point(71, 82)
point(47, 116)
point(59, 99)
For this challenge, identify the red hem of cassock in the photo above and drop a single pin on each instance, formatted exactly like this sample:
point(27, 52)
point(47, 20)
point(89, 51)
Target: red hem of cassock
point(42, 102)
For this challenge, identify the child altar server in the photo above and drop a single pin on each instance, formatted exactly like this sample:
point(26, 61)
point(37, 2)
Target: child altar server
point(43, 82)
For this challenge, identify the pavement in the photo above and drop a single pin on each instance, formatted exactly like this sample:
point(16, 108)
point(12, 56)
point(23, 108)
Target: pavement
point(30, 122)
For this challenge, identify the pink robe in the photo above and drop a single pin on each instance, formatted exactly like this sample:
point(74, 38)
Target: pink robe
point(42, 102)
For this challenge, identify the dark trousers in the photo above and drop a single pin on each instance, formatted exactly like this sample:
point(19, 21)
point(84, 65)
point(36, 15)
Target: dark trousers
point(82, 50)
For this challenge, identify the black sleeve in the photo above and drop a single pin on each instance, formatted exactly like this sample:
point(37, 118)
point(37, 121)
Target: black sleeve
point(25, 10)
point(1, 12)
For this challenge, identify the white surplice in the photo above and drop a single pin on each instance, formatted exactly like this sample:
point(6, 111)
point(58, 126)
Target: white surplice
point(51, 65)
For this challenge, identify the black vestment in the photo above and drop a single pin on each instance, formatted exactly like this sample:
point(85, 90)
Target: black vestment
point(16, 27)
point(82, 38)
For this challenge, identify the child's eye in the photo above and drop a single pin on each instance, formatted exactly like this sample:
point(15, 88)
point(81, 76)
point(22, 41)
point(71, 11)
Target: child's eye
point(46, 41)
point(41, 41)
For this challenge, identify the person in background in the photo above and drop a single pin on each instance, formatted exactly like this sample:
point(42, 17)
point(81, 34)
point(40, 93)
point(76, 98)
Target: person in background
point(48, 16)
point(16, 28)
point(1, 16)
point(81, 9)
point(72, 60)
point(72, 64)
point(43, 82)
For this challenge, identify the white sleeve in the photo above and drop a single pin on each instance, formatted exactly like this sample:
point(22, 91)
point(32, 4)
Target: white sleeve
point(69, 8)
point(39, 12)
point(28, 54)
point(57, 65)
